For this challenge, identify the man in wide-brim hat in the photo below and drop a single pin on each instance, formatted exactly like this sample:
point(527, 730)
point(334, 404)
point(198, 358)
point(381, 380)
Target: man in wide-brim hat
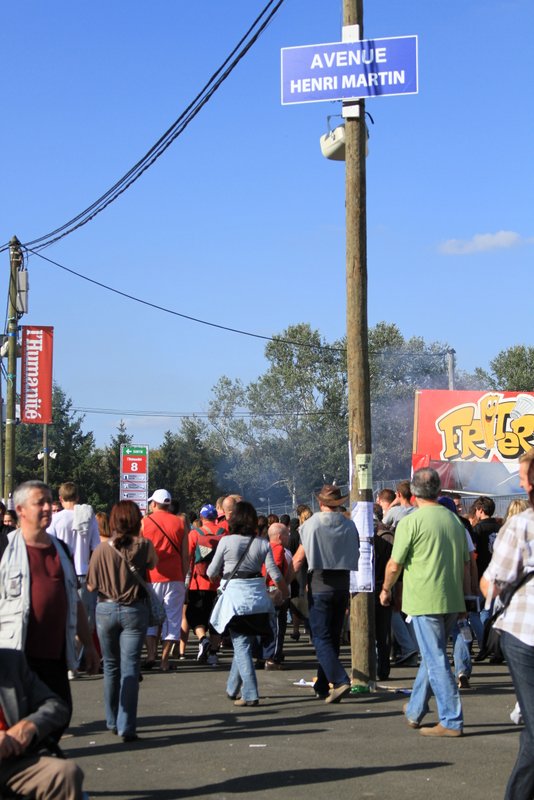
point(330, 496)
point(330, 543)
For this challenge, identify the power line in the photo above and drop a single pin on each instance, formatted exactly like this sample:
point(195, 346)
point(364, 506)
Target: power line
point(199, 414)
point(179, 314)
point(164, 142)
point(399, 354)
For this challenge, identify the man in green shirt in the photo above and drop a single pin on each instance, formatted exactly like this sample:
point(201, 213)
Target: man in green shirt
point(431, 546)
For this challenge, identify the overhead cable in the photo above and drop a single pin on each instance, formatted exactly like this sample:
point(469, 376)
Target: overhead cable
point(164, 142)
point(184, 316)
point(397, 352)
point(201, 414)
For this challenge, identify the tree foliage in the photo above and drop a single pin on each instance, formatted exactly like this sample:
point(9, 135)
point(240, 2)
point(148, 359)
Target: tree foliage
point(512, 370)
point(282, 433)
point(280, 436)
point(94, 470)
point(73, 447)
point(398, 367)
point(286, 433)
point(184, 467)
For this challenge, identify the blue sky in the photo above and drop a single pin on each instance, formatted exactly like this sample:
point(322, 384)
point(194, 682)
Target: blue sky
point(241, 221)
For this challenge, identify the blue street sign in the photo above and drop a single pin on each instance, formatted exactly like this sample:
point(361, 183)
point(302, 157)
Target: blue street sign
point(348, 70)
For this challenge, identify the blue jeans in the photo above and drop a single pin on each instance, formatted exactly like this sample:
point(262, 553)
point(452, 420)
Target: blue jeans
point(326, 618)
point(463, 664)
point(520, 659)
point(477, 625)
point(121, 630)
point(242, 675)
point(403, 633)
point(89, 603)
point(485, 614)
point(434, 674)
point(272, 647)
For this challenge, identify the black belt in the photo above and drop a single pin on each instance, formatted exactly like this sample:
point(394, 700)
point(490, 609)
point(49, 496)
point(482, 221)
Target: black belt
point(118, 602)
point(242, 575)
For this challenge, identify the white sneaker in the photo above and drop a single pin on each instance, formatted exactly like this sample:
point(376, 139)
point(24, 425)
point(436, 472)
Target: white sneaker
point(516, 715)
point(73, 674)
point(213, 660)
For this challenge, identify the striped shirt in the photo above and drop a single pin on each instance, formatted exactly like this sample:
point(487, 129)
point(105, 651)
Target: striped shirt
point(513, 557)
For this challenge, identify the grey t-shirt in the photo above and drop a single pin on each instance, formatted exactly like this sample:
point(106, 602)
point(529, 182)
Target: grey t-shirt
point(395, 514)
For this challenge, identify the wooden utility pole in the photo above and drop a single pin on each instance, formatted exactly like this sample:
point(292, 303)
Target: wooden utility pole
point(15, 261)
point(2, 463)
point(45, 453)
point(359, 402)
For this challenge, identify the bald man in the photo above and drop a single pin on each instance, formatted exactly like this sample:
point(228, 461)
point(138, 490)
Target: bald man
point(273, 646)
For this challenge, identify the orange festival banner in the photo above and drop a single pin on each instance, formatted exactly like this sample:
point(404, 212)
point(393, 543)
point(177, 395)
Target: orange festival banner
point(474, 439)
point(36, 380)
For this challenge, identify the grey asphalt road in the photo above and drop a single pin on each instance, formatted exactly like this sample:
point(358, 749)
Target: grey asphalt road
point(196, 744)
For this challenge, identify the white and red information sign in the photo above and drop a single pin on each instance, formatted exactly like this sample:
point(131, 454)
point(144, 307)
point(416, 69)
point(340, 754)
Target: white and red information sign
point(134, 474)
point(36, 381)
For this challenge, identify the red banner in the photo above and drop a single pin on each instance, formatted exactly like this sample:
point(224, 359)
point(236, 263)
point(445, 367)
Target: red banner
point(473, 426)
point(36, 387)
point(473, 439)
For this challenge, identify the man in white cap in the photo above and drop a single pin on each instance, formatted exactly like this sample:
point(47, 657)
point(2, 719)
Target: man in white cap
point(168, 534)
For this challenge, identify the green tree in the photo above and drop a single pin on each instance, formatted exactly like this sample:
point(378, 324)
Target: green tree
point(286, 433)
point(398, 367)
point(75, 449)
point(183, 465)
point(110, 462)
point(283, 432)
point(512, 370)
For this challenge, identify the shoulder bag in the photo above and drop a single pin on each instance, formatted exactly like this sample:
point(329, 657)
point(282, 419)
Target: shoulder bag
point(156, 609)
point(490, 639)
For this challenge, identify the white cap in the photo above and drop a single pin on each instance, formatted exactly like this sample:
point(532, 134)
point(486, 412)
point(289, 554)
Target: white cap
point(160, 496)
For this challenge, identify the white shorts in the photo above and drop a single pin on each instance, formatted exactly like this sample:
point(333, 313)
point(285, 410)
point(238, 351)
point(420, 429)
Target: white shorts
point(172, 595)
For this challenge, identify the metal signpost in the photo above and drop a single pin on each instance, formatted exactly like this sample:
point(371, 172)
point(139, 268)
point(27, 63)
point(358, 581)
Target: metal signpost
point(134, 474)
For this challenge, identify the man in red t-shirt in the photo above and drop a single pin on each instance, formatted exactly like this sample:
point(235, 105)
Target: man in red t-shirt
point(168, 534)
point(203, 591)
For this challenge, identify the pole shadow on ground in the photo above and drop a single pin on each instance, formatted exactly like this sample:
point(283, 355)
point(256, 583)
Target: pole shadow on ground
point(265, 781)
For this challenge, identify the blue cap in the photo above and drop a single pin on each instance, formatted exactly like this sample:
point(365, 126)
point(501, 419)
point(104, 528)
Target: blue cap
point(208, 511)
point(449, 503)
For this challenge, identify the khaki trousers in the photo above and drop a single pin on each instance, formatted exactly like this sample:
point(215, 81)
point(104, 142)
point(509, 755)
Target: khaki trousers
point(42, 778)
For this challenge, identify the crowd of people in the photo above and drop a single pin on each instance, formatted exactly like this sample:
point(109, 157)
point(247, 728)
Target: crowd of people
point(79, 592)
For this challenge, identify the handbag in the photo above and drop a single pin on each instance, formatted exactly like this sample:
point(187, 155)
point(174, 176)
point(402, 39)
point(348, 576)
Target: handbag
point(221, 589)
point(156, 610)
point(491, 637)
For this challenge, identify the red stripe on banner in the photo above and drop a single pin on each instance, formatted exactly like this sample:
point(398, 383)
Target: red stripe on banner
point(36, 388)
